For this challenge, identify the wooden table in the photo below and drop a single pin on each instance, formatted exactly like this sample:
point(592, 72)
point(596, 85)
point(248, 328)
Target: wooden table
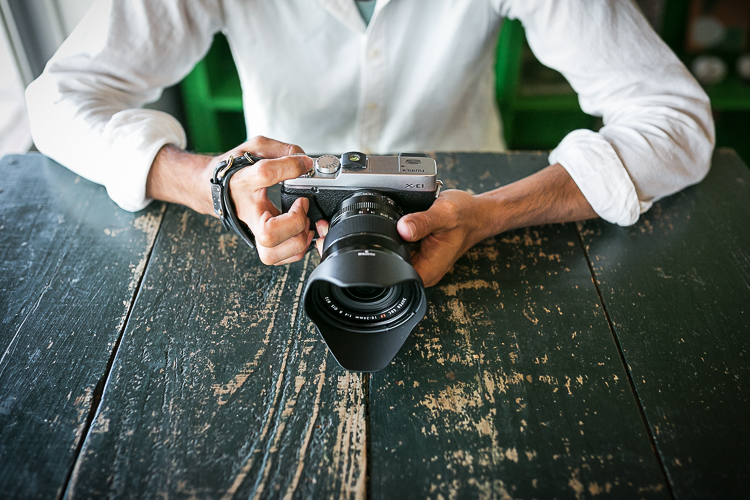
point(150, 354)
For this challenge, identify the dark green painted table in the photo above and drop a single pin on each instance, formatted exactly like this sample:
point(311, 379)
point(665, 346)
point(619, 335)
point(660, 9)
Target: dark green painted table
point(151, 355)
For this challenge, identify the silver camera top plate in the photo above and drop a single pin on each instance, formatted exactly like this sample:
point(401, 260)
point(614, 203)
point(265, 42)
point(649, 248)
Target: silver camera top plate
point(397, 173)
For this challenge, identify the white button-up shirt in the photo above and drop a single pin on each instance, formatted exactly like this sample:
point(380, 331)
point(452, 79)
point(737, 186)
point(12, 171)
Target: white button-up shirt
point(419, 77)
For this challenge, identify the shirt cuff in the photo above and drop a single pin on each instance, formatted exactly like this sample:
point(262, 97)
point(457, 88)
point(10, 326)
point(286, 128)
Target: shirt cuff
point(600, 175)
point(135, 137)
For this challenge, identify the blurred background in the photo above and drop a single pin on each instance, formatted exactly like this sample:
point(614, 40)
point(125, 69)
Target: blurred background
point(538, 106)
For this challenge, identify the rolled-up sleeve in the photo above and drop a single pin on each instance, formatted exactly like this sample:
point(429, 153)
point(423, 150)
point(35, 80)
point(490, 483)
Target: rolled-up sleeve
point(658, 132)
point(85, 109)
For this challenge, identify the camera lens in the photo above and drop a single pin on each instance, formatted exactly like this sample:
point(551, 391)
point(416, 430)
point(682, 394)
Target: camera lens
point(365, 297)
point(366, 307)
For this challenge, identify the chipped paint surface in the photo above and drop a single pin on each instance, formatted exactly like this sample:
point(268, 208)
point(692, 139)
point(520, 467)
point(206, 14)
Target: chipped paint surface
point(219, 366)
point(71, 264)
point(502, 380)
point(505, 391)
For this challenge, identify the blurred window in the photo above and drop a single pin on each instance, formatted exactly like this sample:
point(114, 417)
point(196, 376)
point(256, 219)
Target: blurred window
point(15, 136)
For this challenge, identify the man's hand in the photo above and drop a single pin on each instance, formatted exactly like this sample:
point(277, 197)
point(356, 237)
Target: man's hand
point(457, 220)
point(181, 177)
point(448, 229)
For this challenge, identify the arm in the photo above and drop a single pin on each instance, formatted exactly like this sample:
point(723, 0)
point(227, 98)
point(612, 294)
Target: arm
point(658, 132)
point(457, 220)
point(85, 109)
point(658, 135)
point(85, 113)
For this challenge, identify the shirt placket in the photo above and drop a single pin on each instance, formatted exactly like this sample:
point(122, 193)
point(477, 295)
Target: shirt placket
point(374, 74)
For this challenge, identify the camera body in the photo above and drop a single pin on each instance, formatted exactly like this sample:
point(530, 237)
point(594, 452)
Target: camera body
point(409, 179)
point(364, 297)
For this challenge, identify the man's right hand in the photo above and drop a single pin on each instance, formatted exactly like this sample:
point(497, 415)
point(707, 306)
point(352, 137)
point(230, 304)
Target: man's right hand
point(181, 177)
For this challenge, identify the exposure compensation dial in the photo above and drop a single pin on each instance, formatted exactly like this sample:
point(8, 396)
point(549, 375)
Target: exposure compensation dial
point(327, 164)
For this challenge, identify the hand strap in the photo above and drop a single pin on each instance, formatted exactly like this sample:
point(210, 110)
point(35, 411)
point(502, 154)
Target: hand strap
point(222, 199)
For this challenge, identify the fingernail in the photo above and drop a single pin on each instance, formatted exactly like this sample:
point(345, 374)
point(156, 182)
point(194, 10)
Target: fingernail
point(412, 229)
point(322, 229)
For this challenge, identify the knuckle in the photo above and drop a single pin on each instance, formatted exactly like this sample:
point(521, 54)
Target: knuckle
point(450, 206)
point(264, 238)
point(293, 149)
point(424, 223)
point(265, 256)
point(299, 243)
point(263, 173)
point(300, 222)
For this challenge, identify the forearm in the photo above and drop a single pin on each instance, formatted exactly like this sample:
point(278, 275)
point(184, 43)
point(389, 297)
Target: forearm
point(546, 197)
point(180, 177)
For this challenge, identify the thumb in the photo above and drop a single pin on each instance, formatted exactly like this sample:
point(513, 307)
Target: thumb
point(416, 226)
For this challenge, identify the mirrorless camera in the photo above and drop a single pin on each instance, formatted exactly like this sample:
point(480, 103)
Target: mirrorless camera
point(365, 297)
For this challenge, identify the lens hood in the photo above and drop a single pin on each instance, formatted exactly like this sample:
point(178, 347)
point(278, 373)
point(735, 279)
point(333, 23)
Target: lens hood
point(364, 343)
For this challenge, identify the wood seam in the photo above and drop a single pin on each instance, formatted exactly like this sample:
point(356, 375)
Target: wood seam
point(633, 388)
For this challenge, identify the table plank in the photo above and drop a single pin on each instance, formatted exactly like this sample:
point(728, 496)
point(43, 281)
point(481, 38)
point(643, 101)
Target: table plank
point(70, 262)
point(512, 386)
point(677, 288)
point(221, 387)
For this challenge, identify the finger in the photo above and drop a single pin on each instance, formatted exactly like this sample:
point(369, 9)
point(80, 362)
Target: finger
point(266, 173)
point(251, 205)
point(297, 257)
point(413, 227)
point(322, 227)
point(266, 148)
point(428, 271)
point(271, 231)
point(292, 248)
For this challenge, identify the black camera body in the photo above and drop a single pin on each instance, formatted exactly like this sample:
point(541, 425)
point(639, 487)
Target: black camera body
point(365, 297)
point(410, 180)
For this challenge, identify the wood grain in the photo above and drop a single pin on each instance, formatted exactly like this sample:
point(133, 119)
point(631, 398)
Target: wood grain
point(222, 389)
point(512, 386)
point(677, 287)
point(70, 262)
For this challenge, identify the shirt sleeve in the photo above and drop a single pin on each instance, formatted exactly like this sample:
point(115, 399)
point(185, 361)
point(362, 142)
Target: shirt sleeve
point(85, 108)
point(658, 133)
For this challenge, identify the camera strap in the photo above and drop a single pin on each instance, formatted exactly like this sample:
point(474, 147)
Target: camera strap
point(222, 199)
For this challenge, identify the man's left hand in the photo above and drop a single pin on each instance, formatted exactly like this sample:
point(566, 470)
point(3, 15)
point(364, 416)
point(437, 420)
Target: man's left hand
point(457, 220)
point(451, 226)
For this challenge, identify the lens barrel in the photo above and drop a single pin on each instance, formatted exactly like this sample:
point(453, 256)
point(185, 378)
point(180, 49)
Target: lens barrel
point(365, 297)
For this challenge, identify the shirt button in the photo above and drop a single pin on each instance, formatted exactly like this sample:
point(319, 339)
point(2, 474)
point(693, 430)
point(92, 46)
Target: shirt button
point(372, 106)
point(374, 54)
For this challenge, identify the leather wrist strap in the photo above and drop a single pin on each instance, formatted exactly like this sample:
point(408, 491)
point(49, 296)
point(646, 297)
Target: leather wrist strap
point(222, 199)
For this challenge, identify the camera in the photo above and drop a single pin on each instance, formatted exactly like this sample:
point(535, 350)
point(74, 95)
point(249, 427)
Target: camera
point(365, 297)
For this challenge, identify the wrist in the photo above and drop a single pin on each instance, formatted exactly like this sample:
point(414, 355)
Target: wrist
point(491, 214)
point(546, 197)
point(180, 177)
